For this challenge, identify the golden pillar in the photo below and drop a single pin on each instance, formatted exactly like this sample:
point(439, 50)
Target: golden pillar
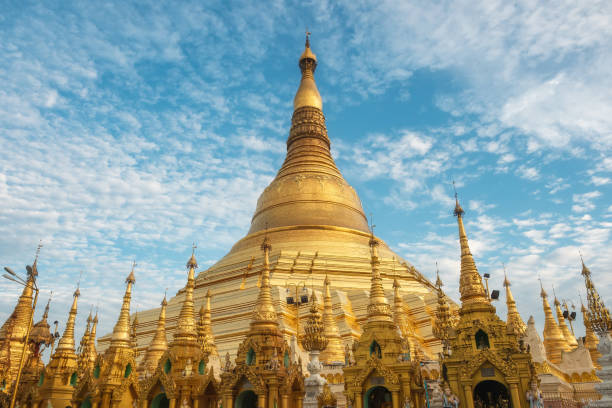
point(284, 401)
point(395, 399)
point(514, 395)
point(172, 403)
point(272, 395)
point(469, 398)
point(358, 400)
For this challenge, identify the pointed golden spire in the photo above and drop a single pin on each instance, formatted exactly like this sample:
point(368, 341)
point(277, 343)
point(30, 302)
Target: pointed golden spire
point(567, 334)
point(314, 336)
point(444, 320)
point(590, 338)
point(186, 327)
point(554, 341)
point(158, 344)
point(66, 343)
point(264, 313)
point(513, 320)
point(334, 351)
point(599, 314)
point(84, 346)
point(205, 334)
point(121, 337)
point(402, 321)
point(307, 94)
point(470, 282)
point(93, 354)
point(378, 309)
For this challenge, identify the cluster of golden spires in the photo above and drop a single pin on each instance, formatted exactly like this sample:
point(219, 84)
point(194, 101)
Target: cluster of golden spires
point(389, 342)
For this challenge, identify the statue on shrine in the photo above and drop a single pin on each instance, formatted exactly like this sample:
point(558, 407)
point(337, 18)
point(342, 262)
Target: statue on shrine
point(534, 396)
point(450, 399)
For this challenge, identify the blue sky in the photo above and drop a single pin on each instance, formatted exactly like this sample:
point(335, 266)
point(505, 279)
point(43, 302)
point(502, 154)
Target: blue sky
point(130, 130)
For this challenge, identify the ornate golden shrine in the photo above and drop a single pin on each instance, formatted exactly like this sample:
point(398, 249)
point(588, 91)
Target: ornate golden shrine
point(183, 376)
point(485, 359)
point(60, 376)
point(264, 375)
point(113, 380)
point(383, 372)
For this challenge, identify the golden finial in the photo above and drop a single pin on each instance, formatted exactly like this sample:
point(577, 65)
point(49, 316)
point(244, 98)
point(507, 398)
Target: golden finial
point(192, 263)
point(131, 277)
point(543, 293)
point(307, 94)
point(439, 283)
point(458, 212)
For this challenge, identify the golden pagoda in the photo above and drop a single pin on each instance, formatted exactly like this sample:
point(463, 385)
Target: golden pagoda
point(263, 375)
point(113, 381)
point(40, 338)
point(444, 320)
point(13, 332)
point(405, 325)
point(158, 345)
point(318, 226)
point(514, 320)
point(554, 340)
point(590, 338)
point(85, 362)
point(384, 374)
point(486, 365)
point(60, 376)
point(205, 334)
point(334, 350)
point(183, 376)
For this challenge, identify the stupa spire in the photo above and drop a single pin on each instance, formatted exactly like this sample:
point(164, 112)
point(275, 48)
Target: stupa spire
point(444, 320)
point(378, 309)
point(567, 334)
point(93, 354)
point(186, 326)
point(205, 334)
point(307, 94)
point(121, 337)
point(590, 338)
point(554, 341)
point(84, 346)
point(308, 189)
point(66, 343)
point(513, 320)
point(264, 313)
point(334, 351)
point(159, 343)
point(599, 314)
point(470, 282)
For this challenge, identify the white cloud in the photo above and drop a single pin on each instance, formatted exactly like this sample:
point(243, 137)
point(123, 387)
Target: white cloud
point(528, 173)
point(584, 202)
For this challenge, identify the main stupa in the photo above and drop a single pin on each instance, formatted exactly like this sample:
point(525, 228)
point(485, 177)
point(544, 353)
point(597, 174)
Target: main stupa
point(320, 237)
